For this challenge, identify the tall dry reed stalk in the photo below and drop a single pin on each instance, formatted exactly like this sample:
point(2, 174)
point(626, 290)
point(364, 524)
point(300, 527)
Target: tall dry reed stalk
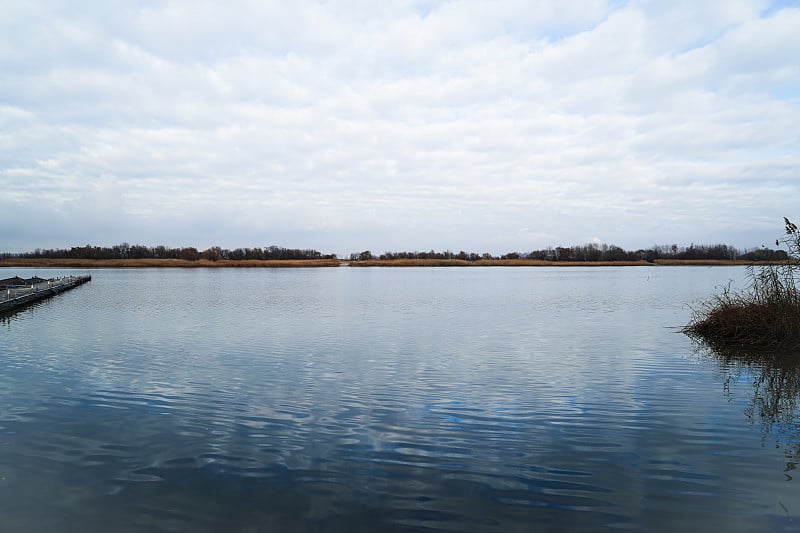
point(766, 313)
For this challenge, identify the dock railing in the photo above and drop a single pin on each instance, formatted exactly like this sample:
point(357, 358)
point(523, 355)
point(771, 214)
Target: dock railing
point(51, 286)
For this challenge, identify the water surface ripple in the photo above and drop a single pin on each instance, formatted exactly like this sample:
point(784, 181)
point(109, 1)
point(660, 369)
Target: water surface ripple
point(480, 399)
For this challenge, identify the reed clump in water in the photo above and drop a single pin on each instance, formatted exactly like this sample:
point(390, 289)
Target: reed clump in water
point(766, 313)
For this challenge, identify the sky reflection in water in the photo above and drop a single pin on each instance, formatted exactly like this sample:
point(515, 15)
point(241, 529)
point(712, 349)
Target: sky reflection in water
point(393, 399)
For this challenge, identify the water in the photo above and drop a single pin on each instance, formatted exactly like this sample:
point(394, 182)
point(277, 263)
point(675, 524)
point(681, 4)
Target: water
point(476, 399)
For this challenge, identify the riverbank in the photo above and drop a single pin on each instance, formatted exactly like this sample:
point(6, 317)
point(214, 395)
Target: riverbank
point(312, 263)
point(165, 263)
point(765, 314)
point(541, 263)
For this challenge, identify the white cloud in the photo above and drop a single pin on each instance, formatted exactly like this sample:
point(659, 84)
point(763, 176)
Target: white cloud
point(350, 125)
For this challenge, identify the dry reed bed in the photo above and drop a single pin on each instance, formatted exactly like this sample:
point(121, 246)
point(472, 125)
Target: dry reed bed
point(765, 314)
point(711, 262)
point(488, 262)
point(252, 263)
point(740, 321)
point(167, 263)
point(542, 263)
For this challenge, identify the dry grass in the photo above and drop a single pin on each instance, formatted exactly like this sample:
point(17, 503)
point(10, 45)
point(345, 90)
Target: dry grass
point(711, 262)
point(739, 320)
point(766, 314)
point(537, 262)
point(203, 263)
point(410, 263)
point(165, 263)
point(540, 263)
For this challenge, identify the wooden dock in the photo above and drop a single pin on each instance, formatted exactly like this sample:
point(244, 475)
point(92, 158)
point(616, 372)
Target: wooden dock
point(13, 297)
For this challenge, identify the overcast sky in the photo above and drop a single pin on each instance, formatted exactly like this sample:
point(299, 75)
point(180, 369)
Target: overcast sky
point(399, 125)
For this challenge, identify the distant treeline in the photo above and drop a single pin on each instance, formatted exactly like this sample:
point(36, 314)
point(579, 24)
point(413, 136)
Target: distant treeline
point(596, 252)
point(137, 251)
point(586, 252)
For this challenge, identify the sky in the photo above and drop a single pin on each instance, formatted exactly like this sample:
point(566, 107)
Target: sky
point(399, 125)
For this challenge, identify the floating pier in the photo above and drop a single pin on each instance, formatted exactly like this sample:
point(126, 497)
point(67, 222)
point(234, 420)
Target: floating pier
point(14, 296)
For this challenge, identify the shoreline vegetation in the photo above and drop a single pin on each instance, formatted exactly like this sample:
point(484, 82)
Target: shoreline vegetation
point(542, 263)
point(765, 314)
point(7, 262)
point(166, 263)
point(131, 256)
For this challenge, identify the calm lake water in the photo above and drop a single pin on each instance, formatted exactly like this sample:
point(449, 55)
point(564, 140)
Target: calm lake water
point(416, 399)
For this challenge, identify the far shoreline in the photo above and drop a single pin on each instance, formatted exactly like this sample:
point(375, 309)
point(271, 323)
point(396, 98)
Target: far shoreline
point(165, 263)
point(319, 263)
point(544, 263)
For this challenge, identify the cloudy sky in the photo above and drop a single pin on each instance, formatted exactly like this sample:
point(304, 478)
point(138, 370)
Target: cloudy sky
point(398, 125)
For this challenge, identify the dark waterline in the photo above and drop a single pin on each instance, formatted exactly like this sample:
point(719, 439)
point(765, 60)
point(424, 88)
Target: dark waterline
point(485, 399)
